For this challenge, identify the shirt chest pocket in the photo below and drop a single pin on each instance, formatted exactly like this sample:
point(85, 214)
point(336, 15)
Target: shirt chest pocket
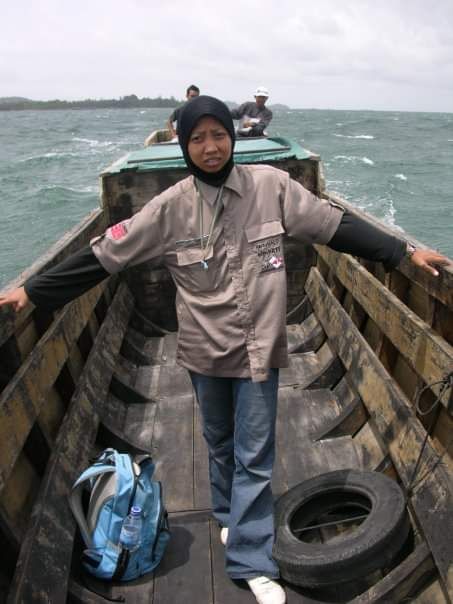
point(192, 272)
point(266, 244)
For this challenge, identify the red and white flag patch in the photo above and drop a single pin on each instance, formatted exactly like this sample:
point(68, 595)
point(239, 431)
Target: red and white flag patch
point(117, 231)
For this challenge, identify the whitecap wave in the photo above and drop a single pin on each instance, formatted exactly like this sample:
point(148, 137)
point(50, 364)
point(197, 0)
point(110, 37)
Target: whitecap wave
point(354, 158)
point(92, 142)
point(50, 155)
point(401, 176)
point(366, 136)
point(67, 189)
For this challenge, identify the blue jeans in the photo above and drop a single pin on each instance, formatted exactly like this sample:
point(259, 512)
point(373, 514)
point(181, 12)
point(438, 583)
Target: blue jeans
point(239, 427)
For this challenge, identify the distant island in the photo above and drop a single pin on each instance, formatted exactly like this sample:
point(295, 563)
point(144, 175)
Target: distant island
point(126, 102)
point(131, 101)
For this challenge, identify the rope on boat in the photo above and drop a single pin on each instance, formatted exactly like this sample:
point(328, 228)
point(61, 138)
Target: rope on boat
point(447, 383)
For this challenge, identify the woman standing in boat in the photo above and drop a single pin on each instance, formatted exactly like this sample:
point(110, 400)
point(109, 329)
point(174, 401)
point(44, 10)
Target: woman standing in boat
point(219, 232)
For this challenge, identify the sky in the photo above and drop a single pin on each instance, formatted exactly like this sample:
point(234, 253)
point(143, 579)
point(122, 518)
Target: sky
point(326, 54)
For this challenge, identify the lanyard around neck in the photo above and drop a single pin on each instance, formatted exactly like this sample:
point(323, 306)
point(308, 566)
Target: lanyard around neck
point(217, 208)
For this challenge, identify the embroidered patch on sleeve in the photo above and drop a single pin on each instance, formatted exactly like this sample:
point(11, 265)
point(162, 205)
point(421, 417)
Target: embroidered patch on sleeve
point(270, 254)
point(117, 231)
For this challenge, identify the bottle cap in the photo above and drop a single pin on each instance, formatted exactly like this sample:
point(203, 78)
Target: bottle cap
point(136, 510)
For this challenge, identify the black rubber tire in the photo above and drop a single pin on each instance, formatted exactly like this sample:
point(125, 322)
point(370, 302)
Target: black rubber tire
point(373, 545)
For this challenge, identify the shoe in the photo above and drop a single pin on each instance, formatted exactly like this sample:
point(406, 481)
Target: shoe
point(267, 591)
point(224, 535)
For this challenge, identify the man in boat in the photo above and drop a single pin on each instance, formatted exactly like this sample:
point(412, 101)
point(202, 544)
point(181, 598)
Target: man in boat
point(172, 124)
point(254, 117)
point(219, 232)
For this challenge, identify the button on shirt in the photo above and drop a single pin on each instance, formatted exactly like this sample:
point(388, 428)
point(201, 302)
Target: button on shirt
point(232, 315)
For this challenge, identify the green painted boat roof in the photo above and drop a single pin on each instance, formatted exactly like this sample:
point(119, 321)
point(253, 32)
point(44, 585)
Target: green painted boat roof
point(168, 156)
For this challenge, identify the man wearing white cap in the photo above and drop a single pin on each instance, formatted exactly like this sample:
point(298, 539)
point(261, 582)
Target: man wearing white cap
point(254, 117)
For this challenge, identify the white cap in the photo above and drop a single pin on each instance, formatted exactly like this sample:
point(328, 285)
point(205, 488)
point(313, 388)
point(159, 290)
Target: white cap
point(261, 91)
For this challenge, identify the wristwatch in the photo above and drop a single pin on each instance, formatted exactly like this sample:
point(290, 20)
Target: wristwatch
point(410, 249)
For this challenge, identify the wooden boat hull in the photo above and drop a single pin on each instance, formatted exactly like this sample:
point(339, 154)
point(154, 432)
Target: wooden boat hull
point(102, 372)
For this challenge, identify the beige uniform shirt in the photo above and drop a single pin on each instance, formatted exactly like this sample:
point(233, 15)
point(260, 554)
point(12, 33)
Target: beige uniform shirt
point(231, 316)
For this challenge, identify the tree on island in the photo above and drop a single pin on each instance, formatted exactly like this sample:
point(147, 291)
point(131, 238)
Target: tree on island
point(130, 101)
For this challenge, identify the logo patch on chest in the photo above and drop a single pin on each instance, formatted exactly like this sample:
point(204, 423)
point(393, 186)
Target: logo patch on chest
point(270, 254)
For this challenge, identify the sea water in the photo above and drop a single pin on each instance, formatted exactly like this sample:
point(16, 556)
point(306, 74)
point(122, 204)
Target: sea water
point(397, 166)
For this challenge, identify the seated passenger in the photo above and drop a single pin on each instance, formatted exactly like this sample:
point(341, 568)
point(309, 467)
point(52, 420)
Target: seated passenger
point(172, 124)
point(254, 117)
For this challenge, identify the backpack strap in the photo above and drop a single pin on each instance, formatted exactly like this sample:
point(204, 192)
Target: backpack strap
point(75, 498)
point(108, 461)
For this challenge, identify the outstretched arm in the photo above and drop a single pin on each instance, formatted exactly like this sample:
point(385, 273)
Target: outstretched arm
point(359, 237)
point(59, 285)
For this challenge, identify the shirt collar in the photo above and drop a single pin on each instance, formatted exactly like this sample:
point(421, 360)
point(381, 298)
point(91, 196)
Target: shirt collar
point(233, 182)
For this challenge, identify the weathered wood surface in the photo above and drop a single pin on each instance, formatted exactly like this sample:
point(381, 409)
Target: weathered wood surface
point(24, 397)
point(427, 352)
point(395, 419)
point(402, 581)
point(306, 336)
point(318, 369)
point(42, 572)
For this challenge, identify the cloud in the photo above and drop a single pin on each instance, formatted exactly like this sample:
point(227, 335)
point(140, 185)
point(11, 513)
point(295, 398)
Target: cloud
point(353, 54)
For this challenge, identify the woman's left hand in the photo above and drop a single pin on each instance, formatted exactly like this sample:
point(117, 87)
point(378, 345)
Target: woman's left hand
point(428, 260)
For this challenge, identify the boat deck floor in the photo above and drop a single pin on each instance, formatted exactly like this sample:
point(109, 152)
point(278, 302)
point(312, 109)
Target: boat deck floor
point(165, 421)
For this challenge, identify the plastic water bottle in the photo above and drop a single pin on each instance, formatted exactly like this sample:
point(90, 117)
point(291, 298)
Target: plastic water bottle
point(132, 529)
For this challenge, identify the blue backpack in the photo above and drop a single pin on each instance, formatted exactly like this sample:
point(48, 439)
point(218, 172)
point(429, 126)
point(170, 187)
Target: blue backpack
point(116, 483)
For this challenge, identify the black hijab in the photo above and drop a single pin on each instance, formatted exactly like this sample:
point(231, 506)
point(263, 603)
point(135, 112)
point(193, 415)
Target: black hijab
point(190, 114)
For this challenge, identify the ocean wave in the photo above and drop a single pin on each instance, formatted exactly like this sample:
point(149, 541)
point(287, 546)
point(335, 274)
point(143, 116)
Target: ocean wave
point(65, 189)
point(50, 155)
point(92, 142)
point(401, 176)
point(367, 136)
point(354, 159)
point(383, 208)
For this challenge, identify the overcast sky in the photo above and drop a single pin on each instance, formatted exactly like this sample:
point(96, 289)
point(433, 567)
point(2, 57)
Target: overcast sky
point(348, 54)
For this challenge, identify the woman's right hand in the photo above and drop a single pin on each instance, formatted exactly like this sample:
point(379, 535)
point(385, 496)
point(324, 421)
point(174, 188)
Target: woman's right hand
point(17, 298)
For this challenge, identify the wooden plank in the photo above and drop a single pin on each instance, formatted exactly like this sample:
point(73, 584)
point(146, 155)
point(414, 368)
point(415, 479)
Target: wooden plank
point(312, 370)
point(433, 594)
point(130, 422)
point(42, 572)
point(395, 419)
point(428, 353)
point(306, 336)
point(22, 400)
point(17, 498)
point(373, 453)
point(51, 415)
point(399, 584)
point(225, 590)
point(186, 568)
point(172, 448)
point(298, 413)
